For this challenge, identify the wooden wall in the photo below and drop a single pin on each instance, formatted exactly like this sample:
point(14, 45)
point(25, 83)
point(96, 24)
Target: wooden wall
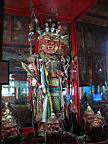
point(15, 29)
point(92, 53)
point(15, 43)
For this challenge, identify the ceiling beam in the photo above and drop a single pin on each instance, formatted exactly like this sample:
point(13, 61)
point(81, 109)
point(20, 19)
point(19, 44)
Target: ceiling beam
point(18, 12)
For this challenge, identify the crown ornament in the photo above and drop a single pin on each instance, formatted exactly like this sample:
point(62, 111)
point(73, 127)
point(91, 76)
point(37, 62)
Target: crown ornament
point(88, 111)
point(52, 37)
point(9, 123)
point(99, 115)
point(50, 27)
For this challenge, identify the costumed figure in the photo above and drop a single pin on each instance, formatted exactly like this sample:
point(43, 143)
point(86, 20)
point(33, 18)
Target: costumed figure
point(87, 119)
point(53, 130)
point(54, 68)
point(10, 127)
point(48, 72)
point(97, 128)
point(93, 125)
point(98, 120)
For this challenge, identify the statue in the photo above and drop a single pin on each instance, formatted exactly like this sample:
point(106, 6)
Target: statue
point(48, 72)
point(10, 127)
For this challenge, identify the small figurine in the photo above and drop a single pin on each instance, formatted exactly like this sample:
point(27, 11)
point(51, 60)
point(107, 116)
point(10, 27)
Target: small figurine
point(49, 21)
point(46, 27)
point(53, 27)
point(9, 124)
point(98, 120)
point(59, 29)
point(88, 114)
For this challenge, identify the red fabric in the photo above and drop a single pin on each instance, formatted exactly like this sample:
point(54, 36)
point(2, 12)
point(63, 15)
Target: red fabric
point(91, 3)
point(66, 9)
point(63, 9)
point(26, 131)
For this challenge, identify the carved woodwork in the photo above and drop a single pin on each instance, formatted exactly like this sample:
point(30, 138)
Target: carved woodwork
point(91, 54)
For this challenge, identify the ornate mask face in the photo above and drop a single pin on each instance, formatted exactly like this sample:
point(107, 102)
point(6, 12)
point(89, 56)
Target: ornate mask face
point(49, 44)
point(89, 118)
point(95, 122)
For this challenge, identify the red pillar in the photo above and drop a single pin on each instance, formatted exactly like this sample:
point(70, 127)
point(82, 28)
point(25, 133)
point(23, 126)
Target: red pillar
point(76, 81)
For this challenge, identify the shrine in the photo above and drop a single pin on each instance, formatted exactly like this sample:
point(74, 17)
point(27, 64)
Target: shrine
point(53, 72)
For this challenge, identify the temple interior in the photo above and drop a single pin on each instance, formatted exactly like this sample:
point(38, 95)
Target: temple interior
point(54, 72)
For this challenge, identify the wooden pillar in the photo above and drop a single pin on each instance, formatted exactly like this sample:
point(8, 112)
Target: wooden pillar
point(1, 42)
point(76, 81)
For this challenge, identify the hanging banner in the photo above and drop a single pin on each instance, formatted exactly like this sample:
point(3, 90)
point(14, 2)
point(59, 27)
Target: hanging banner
point(4, 72)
